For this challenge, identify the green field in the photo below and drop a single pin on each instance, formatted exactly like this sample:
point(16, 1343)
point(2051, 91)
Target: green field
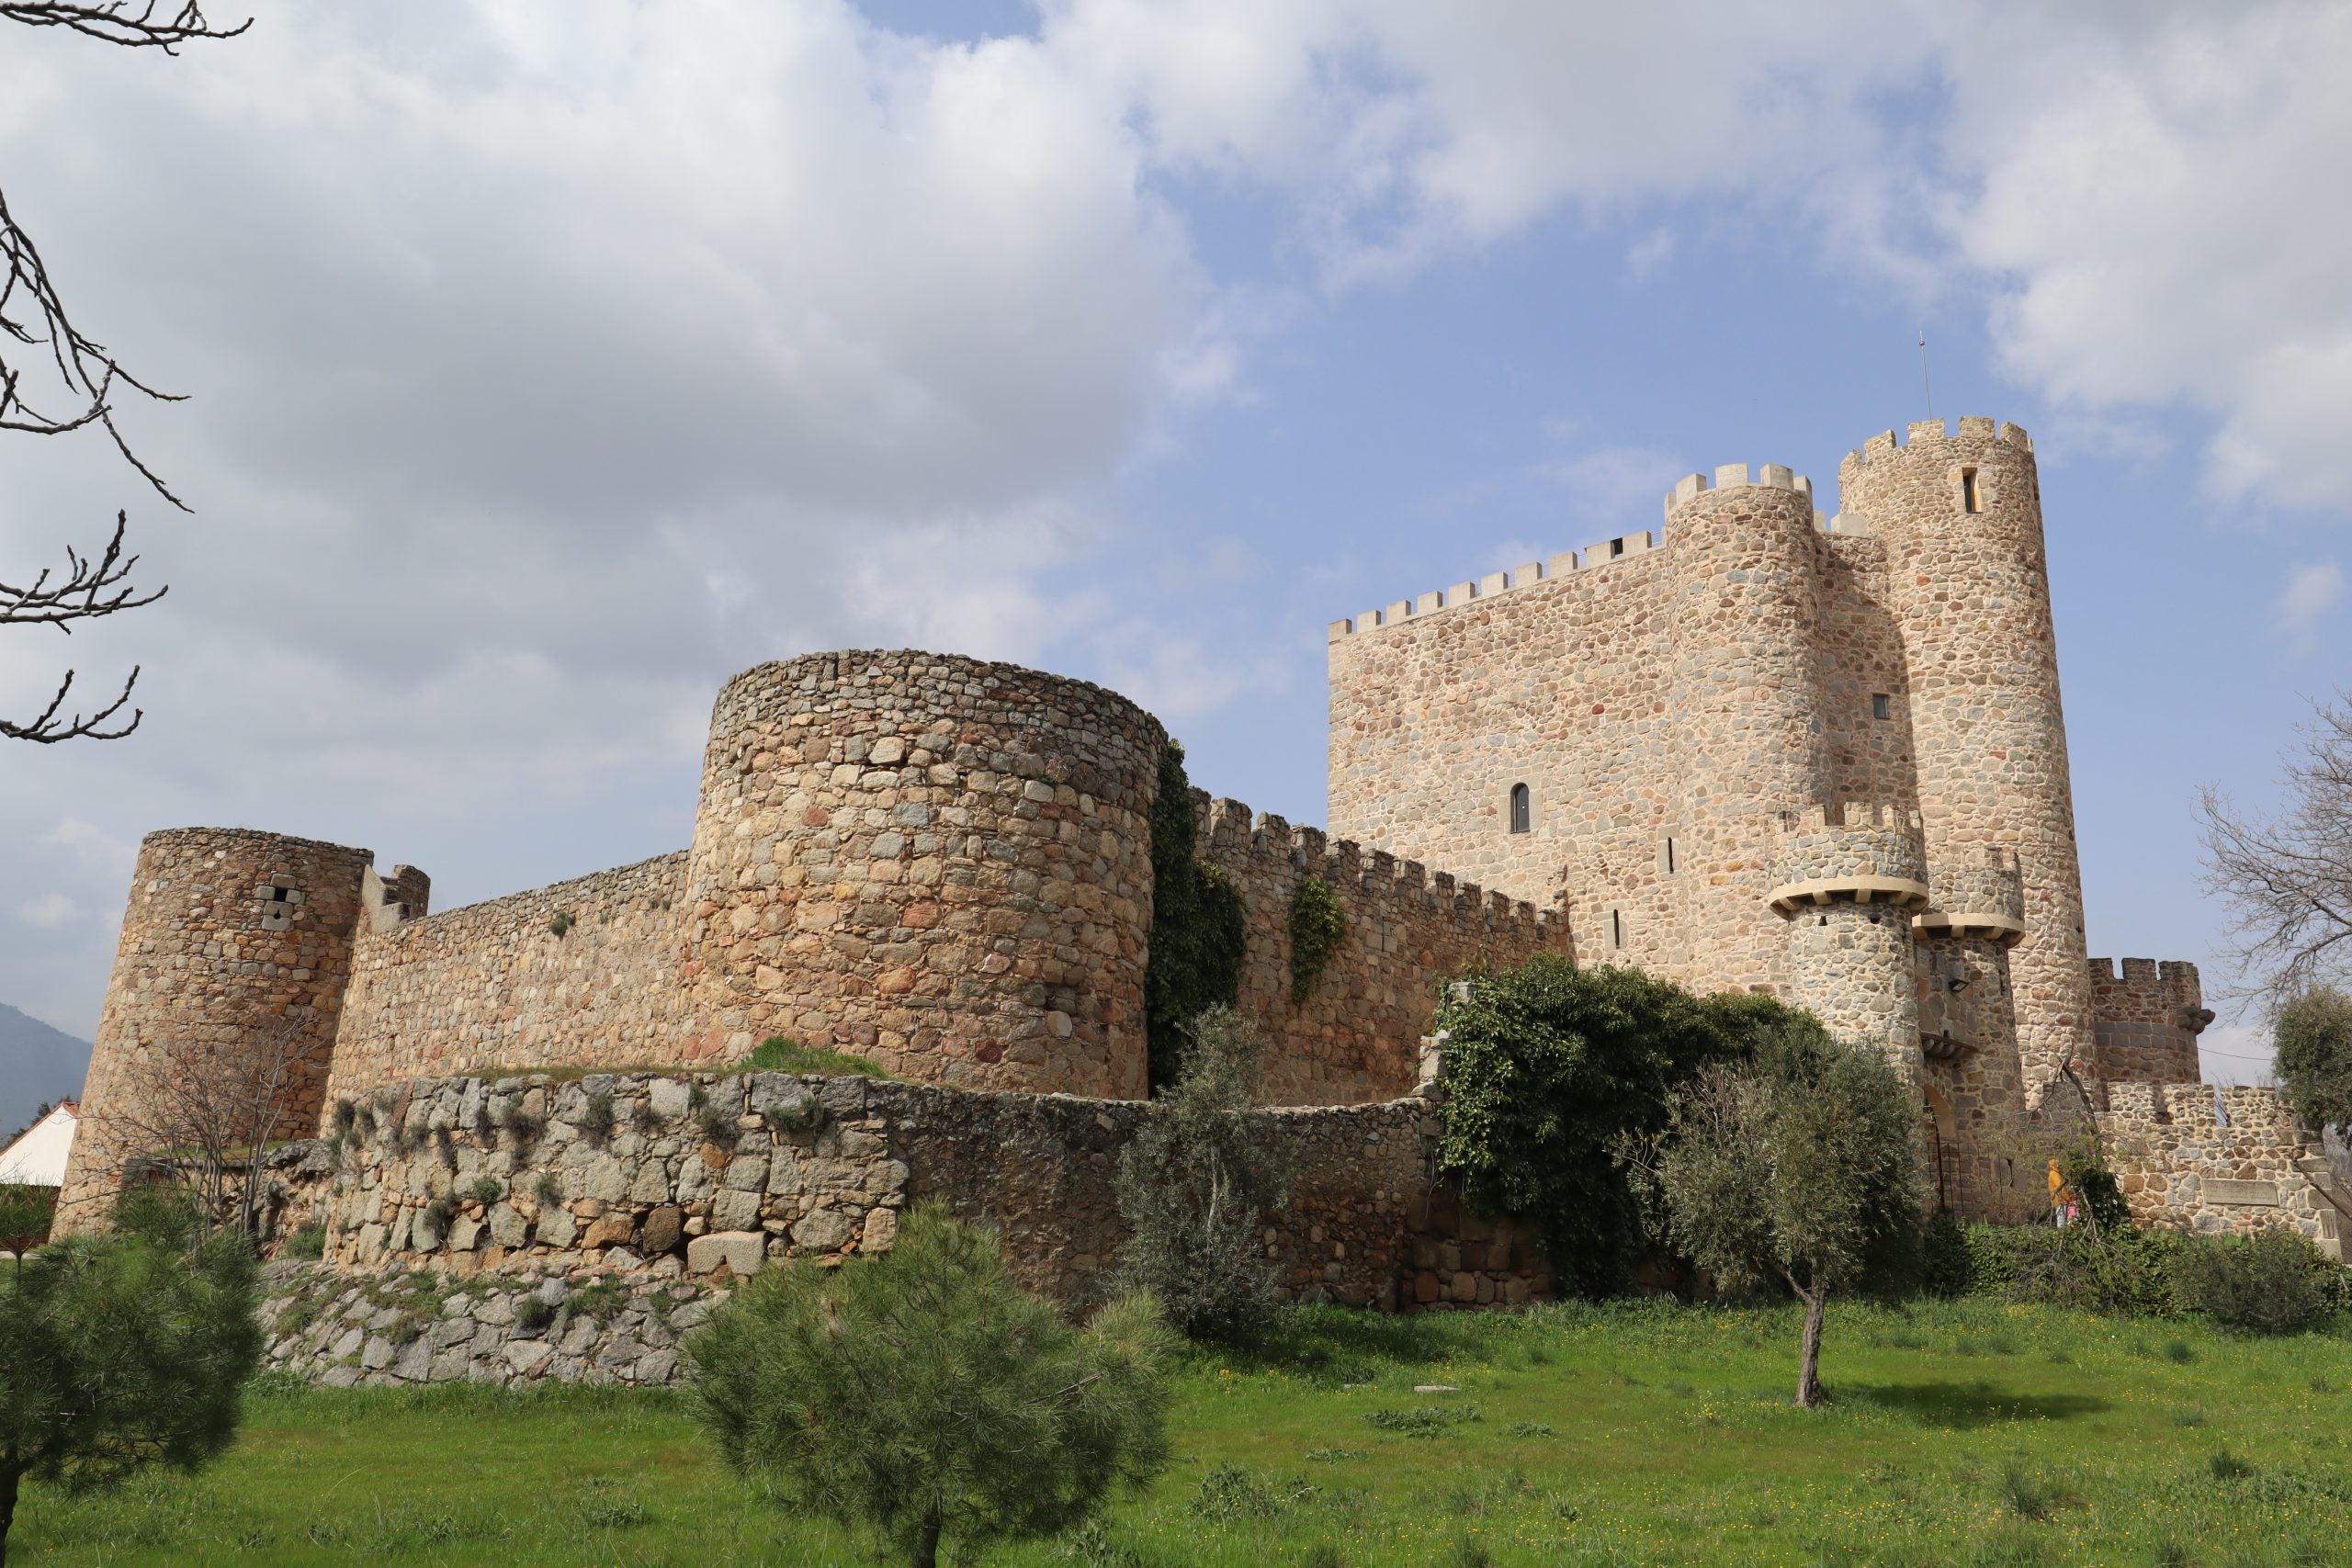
point(1962, 1433)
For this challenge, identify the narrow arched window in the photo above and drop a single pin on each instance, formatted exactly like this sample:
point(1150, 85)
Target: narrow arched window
point(1519, 808)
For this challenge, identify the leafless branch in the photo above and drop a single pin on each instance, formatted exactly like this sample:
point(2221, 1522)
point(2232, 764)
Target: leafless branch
point(201, 1114)
point(2287, 877)
point(140, 25)
point(90, 588)
point(50, 727)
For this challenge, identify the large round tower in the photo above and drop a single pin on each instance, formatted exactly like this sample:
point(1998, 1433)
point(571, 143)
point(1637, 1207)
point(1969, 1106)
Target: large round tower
point(227, 986)
point(1969, 590)
point(941, 864)
point(1746, 706)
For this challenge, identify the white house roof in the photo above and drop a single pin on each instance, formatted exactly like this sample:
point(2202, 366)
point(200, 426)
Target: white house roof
point(37, 1159)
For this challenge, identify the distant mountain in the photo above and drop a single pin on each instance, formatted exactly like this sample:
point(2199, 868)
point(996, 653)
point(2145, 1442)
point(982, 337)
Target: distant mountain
point(36, 1062)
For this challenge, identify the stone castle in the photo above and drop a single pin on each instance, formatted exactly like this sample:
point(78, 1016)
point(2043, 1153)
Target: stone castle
point(1821, 757)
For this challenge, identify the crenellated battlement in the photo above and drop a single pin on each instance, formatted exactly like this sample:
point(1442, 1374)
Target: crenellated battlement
point(1864, 852)
point(1232, 835)
point(1973, 427)
point(1734, 476)
point(1568, 563)
point(1978, 892)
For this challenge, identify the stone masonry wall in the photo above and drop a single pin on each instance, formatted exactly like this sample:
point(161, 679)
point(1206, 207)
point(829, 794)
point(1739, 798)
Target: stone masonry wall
point(717, 1173)
point(1356, 1034)
point(2148, 1021)
point(936, 863)
point(498, 985)
point(2183, 1168)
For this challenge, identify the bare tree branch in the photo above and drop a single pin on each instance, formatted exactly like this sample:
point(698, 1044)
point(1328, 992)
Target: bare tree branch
point(140, 25)
point(201, 1114)
point(33, 315)
point(2287, 877)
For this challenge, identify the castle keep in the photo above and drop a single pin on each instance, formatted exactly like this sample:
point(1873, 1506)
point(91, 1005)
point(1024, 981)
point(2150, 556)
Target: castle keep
point(1821, 757)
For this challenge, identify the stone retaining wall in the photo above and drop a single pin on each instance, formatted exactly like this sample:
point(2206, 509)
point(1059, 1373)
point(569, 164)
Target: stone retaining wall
point(713, 1175)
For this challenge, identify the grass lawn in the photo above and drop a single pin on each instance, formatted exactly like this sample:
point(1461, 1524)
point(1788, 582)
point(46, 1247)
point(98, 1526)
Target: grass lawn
point(1967, 1433)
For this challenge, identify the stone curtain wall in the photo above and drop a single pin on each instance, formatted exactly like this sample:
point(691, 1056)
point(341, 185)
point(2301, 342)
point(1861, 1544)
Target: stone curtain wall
point(939, 864)
point(1356, 1035)
point(2148, 1021)
point(697, 1174)
point(494, 986)
point(2182, 1167)
point(233, 943)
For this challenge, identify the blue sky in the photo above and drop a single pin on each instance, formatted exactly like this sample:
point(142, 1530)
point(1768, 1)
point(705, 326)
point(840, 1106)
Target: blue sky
point(547, 373)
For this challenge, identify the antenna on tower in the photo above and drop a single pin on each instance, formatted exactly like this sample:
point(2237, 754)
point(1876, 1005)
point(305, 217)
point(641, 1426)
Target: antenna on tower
point(1924, 382)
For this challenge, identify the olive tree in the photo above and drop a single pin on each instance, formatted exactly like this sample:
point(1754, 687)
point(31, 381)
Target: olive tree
point(120, 1352)
point(1195, 1184)
point(1798, 1164)
point(2312, 1037)
point(925, 1396)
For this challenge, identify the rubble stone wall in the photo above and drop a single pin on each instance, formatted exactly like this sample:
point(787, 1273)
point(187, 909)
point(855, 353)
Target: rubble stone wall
point(589, 971)
point(715, 1174)
point(2184, 1167)
point(1355, 1035)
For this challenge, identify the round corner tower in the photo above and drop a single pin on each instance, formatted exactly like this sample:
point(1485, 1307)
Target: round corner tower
point(939, 863)
point(1747, 701)
point(235, 949)
point(1969, 588)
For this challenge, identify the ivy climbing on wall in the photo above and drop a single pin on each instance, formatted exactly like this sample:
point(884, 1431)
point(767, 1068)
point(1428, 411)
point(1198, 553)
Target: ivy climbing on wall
point(1318, 927)
point(1197, 925)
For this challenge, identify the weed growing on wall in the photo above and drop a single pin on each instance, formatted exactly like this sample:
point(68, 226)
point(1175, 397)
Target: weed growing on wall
point(1318, 927)
point(1198, 927)
point(1545, 1067)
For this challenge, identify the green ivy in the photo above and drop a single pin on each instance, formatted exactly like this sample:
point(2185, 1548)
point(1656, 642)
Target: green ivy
point(1198, 926)
point(1546, 1069)
point(1318, 927)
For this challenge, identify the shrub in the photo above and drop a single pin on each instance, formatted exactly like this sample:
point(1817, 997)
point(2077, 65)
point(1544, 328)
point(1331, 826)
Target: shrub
point(1423, 1420)
point(1194, 1184)
point(534, 1312)
point(122, 1353)
point(1945, 1267)
point(561, 924)
point(596, 1117)
point(2312, 1037)
point(309, 1242)
point(1198, 927)
point(1318, 927)
point(778, 1055)
point(1545, 1068)
point(548, 1189)
point(2115, 1271)
point(897, 1392)
point(486, 1190)
point(2273, 1281)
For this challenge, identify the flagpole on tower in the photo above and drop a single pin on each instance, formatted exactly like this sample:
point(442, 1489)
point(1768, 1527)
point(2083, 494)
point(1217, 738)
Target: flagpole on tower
point(1928, 385)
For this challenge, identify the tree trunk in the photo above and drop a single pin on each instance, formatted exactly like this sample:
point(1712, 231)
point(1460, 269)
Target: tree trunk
point(8, 1476)
point(926, 1543)
point(1809, 1359)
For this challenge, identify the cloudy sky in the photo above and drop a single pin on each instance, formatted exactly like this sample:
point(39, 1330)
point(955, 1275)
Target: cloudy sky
point(549, 363)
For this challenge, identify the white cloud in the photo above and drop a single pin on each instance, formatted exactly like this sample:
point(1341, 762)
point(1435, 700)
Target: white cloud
point(1649, 253)
point(48, 911)
point(2310, 594)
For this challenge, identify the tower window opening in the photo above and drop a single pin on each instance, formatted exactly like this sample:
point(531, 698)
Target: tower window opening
point(1969, 498)
point(1882, 705)
point(1617, 928)
point(1520, 811)
point(1669, 855)
point(1616, 547)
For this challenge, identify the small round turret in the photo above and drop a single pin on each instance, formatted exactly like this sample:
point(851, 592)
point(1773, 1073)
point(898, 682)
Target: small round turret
point(1846, 883)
